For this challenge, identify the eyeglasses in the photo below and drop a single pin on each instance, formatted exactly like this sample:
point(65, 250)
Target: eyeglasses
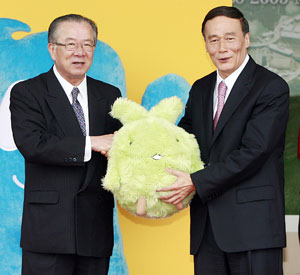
point(87, 47)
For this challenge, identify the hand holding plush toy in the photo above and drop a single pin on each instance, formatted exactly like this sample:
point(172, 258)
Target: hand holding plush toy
point(142, 149)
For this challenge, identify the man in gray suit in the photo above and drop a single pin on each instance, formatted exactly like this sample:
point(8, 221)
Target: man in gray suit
point(239, 115)
point(62, 127)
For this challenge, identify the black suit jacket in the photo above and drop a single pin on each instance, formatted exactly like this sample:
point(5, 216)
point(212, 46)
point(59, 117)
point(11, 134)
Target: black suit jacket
point(66, 210)
point(241, 188)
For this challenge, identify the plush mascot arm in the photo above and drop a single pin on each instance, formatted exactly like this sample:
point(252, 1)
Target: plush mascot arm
point(111, 182)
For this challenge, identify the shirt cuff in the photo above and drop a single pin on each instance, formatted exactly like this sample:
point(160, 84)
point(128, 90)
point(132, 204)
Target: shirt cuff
point(88, 149)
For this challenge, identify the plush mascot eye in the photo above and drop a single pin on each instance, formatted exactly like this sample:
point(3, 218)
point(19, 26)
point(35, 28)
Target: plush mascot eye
point(157, 157)
point(177, 139)
point(130, 142)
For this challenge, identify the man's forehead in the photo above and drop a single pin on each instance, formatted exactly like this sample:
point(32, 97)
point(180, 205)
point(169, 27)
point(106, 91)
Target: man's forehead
point(72, 29)
point(224, 23)
point(72, 24)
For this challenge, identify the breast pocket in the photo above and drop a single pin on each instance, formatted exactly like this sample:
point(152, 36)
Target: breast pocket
point(44, 197)
point(256, 193)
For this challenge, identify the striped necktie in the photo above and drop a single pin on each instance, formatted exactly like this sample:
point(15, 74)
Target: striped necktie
point(78, 110)
point(222, 88)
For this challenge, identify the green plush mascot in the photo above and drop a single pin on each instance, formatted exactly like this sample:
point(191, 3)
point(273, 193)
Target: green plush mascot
point(147, 144)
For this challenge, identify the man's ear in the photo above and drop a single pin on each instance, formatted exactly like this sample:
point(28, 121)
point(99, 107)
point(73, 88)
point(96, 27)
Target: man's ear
point(247, 40)
point(51, 49)
point(126, 110)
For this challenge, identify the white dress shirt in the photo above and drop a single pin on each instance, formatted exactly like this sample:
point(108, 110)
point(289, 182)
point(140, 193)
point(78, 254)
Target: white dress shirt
point(229, 81)
point(83, 100)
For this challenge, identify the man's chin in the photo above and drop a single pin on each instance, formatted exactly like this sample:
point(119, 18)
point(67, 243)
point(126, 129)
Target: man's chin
point(78, 72)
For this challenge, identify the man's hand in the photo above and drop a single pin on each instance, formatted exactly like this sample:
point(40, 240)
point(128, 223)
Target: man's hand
point(102, 144)
point(180, 189)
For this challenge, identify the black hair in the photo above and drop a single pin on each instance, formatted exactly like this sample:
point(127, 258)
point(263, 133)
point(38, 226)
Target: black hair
point(230, 12)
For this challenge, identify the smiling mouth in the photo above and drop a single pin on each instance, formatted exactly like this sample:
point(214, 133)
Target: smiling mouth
point(78, 63)
point(157, 157)
point(225, 59)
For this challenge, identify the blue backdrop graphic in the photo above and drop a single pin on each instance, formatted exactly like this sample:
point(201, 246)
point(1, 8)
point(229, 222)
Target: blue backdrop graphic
point(166, 86)
point(28, 57)
point(22, 59)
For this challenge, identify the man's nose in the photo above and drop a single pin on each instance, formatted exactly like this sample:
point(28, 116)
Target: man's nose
point(79, 50)
point(222, 45)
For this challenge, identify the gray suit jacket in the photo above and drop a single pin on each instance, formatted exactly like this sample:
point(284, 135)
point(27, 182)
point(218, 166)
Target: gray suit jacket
point(242, 186)
point(66, 210)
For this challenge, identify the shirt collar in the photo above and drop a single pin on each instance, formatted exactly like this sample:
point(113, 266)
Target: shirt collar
point(231, 79)
point(68, 87)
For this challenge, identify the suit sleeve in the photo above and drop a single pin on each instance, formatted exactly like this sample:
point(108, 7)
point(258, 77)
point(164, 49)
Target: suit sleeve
point(113, 124)
point(263, 136)
point(32, 135)
point(186, 120)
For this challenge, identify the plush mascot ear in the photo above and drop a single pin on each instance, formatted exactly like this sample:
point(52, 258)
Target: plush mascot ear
point(126, 110)
point(168, 108)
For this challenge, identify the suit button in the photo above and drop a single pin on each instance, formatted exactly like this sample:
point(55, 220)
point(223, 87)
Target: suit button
point(74, 159)
point(70, 159)
point(65, 159)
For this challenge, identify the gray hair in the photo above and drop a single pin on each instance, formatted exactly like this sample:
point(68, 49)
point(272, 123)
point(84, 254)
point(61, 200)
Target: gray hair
point(52, 31)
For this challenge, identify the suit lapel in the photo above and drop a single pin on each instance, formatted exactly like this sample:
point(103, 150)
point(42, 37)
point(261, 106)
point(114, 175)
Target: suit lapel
point(239, 90)
point(97, 114)
point(97, 109)
point(61, 107)
point(207, 106)
point(66, 118)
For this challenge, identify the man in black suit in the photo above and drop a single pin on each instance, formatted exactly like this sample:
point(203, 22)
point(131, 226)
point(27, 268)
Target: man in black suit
point(62, 127)
point(239, 115)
